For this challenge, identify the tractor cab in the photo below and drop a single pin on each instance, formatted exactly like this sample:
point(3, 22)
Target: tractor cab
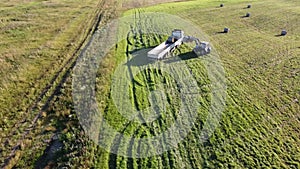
point(176, 34)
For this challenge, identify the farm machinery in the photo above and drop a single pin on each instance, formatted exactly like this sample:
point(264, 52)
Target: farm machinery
point(174, 41)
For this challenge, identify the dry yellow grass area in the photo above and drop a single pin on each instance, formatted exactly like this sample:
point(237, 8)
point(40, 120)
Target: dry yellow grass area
point(39, 43)
point(36, 38)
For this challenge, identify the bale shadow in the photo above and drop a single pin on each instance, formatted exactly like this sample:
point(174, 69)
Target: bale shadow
point(279, 35)
point(221, 32)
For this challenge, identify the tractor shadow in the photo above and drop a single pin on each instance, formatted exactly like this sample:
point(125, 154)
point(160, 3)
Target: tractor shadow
point(139, 58)
point(181, 57)
point(187, 56)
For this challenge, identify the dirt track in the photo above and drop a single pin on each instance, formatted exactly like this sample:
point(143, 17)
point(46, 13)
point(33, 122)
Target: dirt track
point(43, 100)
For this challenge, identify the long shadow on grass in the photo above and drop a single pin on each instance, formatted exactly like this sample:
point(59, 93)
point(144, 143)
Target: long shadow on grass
point(244, 16)
point(221, 32)
point(279, 35)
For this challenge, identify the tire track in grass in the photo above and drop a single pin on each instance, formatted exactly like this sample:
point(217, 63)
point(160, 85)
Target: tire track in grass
point(178, 159)
point(130, 71)
point(194, 71)
point(200, 76)
point(170, 160)
point(140, 132)
point(168, 156)
point(180, 89)
point(114, 159)
point(144, 162)
point(161, 121)
point(131, 162)
point(144, 74)
point(196, 131)
point(196, 147)
point(183, 152)
point(60, 78)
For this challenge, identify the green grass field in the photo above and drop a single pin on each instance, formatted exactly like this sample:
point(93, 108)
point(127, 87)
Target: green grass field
point(259, 127)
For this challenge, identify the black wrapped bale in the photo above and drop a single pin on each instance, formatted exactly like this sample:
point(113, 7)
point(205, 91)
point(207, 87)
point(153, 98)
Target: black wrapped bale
point(249, 6)
point(221, 5)
point(226, 30)
point(248, 14)
point(283, 32)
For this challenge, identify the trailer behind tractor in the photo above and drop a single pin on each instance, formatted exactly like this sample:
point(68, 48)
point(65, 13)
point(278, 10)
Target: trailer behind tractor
point(175, 40)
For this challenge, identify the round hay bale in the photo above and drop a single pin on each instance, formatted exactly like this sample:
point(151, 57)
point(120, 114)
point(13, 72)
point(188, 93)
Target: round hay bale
point(248, 14)
point(226, 30)
point(283, 32)
point(221, 5)
point(249, 6)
